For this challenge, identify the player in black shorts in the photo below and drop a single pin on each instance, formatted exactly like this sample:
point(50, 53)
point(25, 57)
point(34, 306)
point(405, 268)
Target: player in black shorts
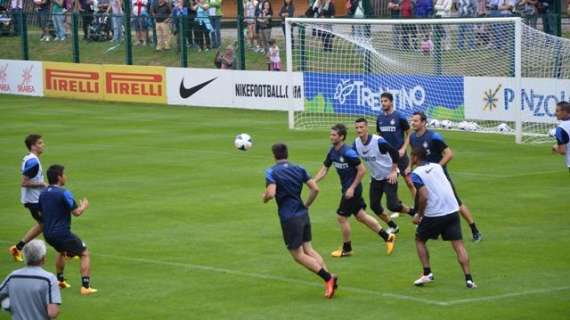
point(284, 182)
point(57, 205)
point(351, 171)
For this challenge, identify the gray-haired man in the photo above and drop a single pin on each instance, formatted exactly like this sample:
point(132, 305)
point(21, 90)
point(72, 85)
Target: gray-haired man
point(33, 292)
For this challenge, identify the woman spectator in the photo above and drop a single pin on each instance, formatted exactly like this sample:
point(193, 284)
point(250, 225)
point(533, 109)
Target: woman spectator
point(58, 19)
point(258, 11)
point(443, 10)
point(249, 9)
point(116, 10)
point(42, 7)
point(203, 28)
point(323, 9)
point(264, 23)
point(215, 13)
point(287, 10)
point(179, 12)
point(527, 10)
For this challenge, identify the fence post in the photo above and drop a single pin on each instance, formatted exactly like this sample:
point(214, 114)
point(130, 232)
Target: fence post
point(154, 37)
point(182, 36)
point(241, 40)
point(128, 40)
point(24, 36)
point(75, 36)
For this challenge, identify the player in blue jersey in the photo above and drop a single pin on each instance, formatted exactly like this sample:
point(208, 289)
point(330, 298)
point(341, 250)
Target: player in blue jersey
point(394, 127)
point(381, 160)
point(284, 182)
point(351, 171)
point(562, 134)
point(436, 215)
point(31, 186)
point(437, 151)
point(57, 205)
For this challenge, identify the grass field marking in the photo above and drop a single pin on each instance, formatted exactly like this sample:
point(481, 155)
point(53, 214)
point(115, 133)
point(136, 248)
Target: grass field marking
point(507, 295)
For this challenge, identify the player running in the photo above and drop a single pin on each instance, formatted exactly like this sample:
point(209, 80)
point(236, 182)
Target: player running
point(284, 182)
point(57, 205)
point(437, 151)
point(562, 134)
point(381, 160)
point(436, 215)
point(31, 186)
point(350, 171)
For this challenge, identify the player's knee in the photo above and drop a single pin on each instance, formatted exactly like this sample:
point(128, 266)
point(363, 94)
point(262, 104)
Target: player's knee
point(377, 209)
point(395, 206)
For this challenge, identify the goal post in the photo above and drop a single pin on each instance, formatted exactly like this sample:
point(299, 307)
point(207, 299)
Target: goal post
point(475, 74)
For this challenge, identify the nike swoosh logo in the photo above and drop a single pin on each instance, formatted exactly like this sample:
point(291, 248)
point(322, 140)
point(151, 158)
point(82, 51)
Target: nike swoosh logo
point(429, 170)
point(187, 92)
point(365, 152)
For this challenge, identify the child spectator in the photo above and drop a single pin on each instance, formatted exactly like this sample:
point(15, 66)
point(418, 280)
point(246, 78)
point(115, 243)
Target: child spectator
point(274, 57)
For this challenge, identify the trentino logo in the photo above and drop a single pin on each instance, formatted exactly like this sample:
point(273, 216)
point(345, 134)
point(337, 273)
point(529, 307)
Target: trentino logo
point(343, 90)
point(490, 98)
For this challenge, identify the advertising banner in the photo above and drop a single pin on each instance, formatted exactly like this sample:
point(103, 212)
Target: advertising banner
point(235, 89)
point(71, 80)
point(135, 83)
point(21, 77)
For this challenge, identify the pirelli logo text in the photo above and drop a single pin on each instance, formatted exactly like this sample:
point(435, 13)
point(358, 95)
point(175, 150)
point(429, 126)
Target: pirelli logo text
point(134, 84)
point(80, 82)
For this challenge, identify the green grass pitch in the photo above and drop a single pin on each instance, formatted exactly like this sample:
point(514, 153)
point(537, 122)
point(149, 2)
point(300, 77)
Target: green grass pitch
point(178, 231)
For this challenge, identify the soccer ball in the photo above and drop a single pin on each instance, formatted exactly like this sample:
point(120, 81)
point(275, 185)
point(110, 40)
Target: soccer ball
point(434, 123)
point(503, 127)
point(446, 124)
point(243, 142)
point(6, 304)
point(552, 132)
point(471, 126)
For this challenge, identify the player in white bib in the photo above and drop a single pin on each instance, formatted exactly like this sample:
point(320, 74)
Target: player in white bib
point(437, 214)
point(562, 145)
point(381, 159)
point(31, 186)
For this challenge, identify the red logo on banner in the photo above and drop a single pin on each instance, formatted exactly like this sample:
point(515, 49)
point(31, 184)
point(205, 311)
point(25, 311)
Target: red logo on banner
point(134, 84)
point(72, 81)
point(26, 85)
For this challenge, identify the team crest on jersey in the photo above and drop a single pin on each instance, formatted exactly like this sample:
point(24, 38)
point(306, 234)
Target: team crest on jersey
point(392, 122)
point(425, 144)
point(341, 159)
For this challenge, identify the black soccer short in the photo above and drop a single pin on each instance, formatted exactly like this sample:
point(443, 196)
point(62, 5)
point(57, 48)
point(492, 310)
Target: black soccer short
point(452, 186)
point(377, 190)
point(296, 231)
point(70, 245)
point(35, 211)
point(403, 163)
point(352, 206)
point(447, 226)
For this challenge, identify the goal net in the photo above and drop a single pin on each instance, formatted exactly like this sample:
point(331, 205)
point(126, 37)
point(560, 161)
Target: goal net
point(485, 75)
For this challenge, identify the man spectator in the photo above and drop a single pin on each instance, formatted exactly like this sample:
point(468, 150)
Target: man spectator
point(394, 7)
point(33, 292)
point(215, 13)
point(116, 10)
point(85, 8)
point(42, 7)
point(527, 10)
point(467, 9)
point(139, 16)
point(546, 9)
point(161, 13)
point(16, 7)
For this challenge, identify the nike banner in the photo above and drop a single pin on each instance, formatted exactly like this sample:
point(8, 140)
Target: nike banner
point(235, 89)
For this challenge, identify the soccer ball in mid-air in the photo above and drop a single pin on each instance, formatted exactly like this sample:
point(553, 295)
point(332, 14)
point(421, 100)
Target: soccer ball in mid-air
point(243, 142)
point(503, 127)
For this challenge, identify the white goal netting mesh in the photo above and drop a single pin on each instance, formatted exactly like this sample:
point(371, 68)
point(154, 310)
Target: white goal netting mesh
point(462, 75)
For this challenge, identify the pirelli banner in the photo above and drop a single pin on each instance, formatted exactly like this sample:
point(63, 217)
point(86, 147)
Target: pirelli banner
point(105, 82)
point(21, 77)
point(235, 89)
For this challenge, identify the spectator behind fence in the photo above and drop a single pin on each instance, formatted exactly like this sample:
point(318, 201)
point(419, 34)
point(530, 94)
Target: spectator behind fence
point(527, 10)
point(58, 19)
point(42, 7)
point(85, 8)
point(162, 12)
point(16, 7)
point(215, 13)
point(203, 26)
point(33, 292)
point(179, 12)
point(191, 23)
point(322, 9)
point(287, 10)
point(467, 9)
point(139, 16)
point(426, 45)
point(249, 9)
point(264, 22)
point(274, 56)
point(443, 10)
point(258, 10)
point(227, 60)
point(116, 10)
point(397, 29)
point(68, 6)
point(546, 10)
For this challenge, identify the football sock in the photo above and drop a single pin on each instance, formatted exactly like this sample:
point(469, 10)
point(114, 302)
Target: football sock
point(324, 274)
point(473, 228)
point(383, 234)
point(20, 245)
point(468, 277)
point(427, 271)
point(347, 246)
point(60, 277)
point(391, 224)
point(85, 282)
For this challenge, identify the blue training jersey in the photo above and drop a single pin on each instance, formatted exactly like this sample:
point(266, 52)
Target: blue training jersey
point(56, 204)
point(289, 180)
point(392, 127)
point(432, 142)
point(345, 160)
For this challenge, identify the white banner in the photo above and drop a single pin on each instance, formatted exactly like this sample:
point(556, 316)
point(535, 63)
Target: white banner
point(493, 98)
point(21, 77)
point(235, 89)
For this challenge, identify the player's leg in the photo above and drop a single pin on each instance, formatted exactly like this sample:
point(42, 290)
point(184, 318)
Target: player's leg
point(36, 230)
point(465, 212)
point(59, 269)
point(463, 259)
point(373, 225)
point(342, 214)
point(375, 198)
point(393, 201)
point(429, 228)
point(75, 247)
point(402, 166)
